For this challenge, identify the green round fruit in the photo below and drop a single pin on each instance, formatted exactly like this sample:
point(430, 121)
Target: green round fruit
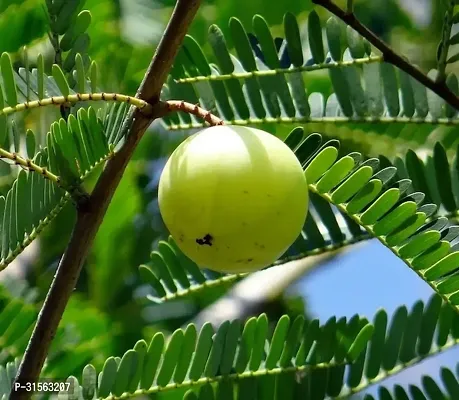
point(233, 198)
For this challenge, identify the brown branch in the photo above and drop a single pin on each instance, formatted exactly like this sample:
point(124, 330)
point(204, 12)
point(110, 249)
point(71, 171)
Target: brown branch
point(177, 105)
point(390, 55)
point(90, 217)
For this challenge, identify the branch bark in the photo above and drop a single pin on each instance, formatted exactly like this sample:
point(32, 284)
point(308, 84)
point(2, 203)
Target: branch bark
point(90, 217)
point(389, 55)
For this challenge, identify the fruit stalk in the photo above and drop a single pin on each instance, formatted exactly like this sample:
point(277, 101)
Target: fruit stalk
point(175, 105)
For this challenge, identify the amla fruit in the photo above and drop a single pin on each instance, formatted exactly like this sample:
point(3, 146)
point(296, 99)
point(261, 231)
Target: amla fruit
point(233, 198)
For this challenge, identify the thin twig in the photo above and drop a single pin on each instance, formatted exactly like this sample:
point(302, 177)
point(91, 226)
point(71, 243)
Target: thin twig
point(390, 55)
point(177, 105)
point(90, 217)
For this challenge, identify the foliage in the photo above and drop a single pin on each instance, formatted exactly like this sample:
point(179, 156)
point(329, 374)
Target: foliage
point(379, 150)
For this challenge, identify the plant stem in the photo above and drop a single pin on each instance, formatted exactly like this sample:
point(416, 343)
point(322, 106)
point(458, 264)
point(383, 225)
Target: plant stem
point(175, 105)
point(390, 55)
point(90, 217)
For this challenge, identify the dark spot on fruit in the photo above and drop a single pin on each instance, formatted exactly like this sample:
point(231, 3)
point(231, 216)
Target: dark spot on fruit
point(268, 195)
point(244, 224)
point(207, 239)
point(244, 260)
point(245, 192)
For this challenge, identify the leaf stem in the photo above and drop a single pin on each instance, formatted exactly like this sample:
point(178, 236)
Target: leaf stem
point(77, 193)
point(281, 71)
point(390, 55)
point(75, 98)
point(90, 217)
point(29, 165)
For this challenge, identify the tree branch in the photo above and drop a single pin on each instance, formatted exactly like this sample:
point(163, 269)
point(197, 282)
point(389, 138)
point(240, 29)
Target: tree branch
point(390, 55)
point(90, 218)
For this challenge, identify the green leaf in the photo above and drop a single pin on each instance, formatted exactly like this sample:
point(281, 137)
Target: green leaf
point(89, 382)
point(266, 40)
point(246, 344)
point(355, 43)
point(321, 163)
point(151, 360)
point(382, 205)
point(230, 347)
point(93, 73)
point(30, 143)
point(202, 352)
point(171, 358)
point(373, 93)
point(395, 218)
point(407, 94)
point(218, 43)
point(8, 79)
point(443, 267)
point(107, 378)
point(81, 24)
point(315, 38)
point(292, 35)
point(65, 16)
point(352, 185)
point(335, 174)
point(40, 76)
point(216, 352)
point(360, 342)
point(356, 93)
point(333, 30)
point(125, 372)
point(365, 196)
point(443, 175)
point(431, 256)
point(277, 343)
point(81, 74)
point(260, 337)
point(390, 88)
point(188, 347)
point(342, 90)
point(80, 46)
point(62, 83)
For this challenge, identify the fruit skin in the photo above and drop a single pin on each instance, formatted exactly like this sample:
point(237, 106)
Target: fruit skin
point(233, 198)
